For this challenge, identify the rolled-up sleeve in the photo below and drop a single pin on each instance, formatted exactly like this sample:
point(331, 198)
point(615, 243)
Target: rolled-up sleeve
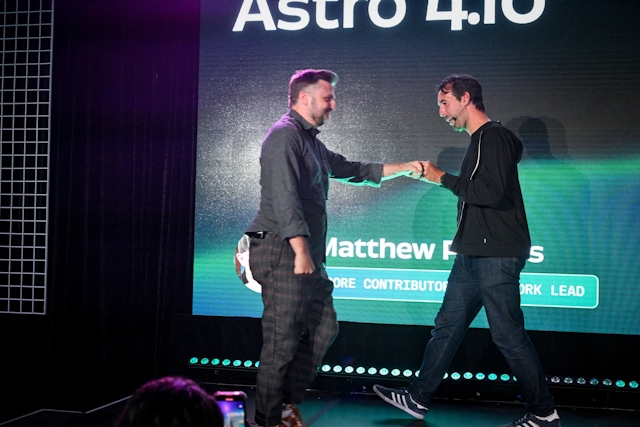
point(355, 173)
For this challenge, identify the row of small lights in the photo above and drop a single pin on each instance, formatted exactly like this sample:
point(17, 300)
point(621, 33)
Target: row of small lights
point(407, 373)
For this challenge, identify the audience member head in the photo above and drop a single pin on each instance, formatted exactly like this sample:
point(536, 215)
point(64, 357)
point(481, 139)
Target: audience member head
point(171, 402)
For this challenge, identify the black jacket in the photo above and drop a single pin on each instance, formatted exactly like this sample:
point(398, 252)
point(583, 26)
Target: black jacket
point(491, 214)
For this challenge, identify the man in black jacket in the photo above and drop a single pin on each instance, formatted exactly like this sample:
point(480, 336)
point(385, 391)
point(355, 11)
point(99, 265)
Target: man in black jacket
point(492, 244)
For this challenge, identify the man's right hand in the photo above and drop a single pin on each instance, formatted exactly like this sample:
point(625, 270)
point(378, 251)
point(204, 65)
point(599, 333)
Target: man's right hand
point(431, 173)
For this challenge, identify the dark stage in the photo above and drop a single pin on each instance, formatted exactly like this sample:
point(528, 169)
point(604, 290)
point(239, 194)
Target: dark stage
point(322, 409)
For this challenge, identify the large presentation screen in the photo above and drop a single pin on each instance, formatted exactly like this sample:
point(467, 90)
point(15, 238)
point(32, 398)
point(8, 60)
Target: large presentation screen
point(562, 75)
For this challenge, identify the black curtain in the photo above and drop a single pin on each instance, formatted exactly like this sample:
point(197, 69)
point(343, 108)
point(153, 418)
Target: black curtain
point(122, 174)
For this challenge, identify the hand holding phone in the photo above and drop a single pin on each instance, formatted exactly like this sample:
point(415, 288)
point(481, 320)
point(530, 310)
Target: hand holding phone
point(232, 404)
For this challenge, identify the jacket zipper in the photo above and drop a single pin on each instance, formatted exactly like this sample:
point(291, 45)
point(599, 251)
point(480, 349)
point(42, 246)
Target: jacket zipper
point(464, 204)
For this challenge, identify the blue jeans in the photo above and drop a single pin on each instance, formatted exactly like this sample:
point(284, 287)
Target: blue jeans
point(495, 283)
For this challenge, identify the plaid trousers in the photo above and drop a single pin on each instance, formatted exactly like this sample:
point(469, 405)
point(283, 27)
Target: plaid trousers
point(298, 325)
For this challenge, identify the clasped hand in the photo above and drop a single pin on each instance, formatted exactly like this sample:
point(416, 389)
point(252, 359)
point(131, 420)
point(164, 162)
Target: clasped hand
point(425, 171)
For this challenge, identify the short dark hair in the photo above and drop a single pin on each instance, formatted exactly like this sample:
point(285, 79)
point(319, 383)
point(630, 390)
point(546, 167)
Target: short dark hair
point(458, 84)
point(305, 78)
point(171, 401)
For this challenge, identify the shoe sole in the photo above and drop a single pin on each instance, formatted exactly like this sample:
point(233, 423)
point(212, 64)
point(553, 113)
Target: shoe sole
point(398, 405)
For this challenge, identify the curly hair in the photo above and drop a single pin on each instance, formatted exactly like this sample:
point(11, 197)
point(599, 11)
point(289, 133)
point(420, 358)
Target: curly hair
point(171, 402)
point(458, 84)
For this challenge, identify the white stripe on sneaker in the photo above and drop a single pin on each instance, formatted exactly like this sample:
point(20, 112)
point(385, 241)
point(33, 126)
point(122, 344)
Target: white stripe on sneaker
point(400, 399)
point(417, 404)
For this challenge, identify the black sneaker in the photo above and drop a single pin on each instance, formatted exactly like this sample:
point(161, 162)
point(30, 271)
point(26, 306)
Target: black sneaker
point(400, 398)
point(530, 420)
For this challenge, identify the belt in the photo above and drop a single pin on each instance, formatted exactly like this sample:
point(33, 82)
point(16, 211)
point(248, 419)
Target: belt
point(259, 234)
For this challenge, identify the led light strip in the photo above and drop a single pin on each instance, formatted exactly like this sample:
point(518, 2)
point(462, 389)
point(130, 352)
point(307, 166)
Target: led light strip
point(350, 371)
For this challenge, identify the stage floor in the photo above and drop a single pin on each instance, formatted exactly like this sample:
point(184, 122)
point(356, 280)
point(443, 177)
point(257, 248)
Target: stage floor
point(322, 409)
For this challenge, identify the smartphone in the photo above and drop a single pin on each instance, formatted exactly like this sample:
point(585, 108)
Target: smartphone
point(233, 406)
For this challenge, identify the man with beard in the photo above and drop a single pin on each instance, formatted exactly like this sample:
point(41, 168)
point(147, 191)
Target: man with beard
point(288, 244)
point(492, 244)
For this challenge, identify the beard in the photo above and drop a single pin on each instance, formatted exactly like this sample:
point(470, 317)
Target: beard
point(318, 115)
